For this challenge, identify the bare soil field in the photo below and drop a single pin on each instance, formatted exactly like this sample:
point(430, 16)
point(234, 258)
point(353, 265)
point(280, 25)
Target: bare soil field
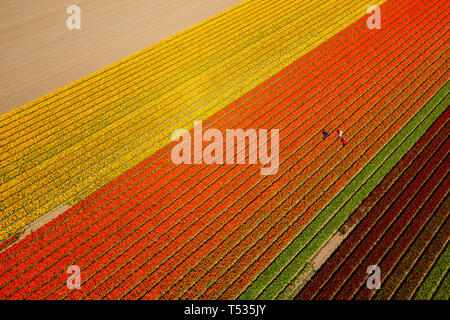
point(39, 54)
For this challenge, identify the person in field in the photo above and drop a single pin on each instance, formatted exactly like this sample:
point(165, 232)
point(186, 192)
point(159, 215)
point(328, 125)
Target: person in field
point(344, 142)
point(340, 133)
point(325, 134)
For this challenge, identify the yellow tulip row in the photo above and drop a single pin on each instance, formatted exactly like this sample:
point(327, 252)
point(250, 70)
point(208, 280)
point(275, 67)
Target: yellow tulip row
point(105, 136)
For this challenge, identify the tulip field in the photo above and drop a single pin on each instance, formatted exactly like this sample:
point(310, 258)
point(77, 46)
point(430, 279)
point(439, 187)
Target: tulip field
point(141, 227)
point(408, 210)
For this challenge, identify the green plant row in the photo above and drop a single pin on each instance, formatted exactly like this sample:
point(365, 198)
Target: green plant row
point(435, 277)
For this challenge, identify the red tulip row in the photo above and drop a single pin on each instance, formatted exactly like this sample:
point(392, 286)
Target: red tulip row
point(424, 264)
point(434, 234)
point(344, 273)
point(5, 243)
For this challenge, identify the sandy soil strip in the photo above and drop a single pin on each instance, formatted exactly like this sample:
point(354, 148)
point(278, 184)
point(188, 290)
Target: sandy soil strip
point(38, 223)
point(327, 249)
point(313, 265)
point(39, 54)
point(44, 220)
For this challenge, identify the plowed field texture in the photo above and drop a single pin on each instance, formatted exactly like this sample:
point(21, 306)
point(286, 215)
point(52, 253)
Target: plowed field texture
point(359, 122)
